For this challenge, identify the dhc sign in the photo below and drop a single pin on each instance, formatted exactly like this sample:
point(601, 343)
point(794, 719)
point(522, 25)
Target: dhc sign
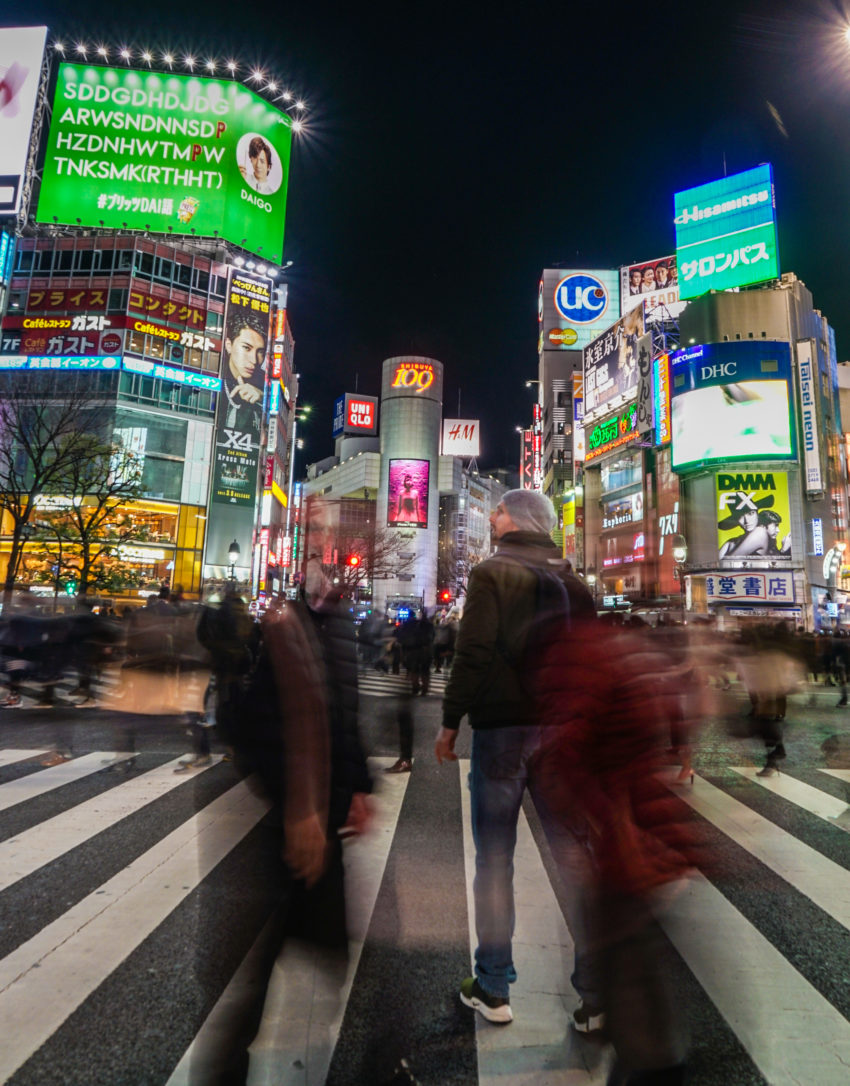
point(581, 298)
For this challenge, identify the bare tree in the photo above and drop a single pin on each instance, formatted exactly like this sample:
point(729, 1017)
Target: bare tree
point(47, 423)
point(101, 480)
point(382, 553)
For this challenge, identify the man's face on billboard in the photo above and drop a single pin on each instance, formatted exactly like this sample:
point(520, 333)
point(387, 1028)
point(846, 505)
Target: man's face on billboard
point(261, 166)
point(246, 353)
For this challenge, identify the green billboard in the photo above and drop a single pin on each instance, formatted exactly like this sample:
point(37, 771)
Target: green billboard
point(172, 154)
point(726, 233)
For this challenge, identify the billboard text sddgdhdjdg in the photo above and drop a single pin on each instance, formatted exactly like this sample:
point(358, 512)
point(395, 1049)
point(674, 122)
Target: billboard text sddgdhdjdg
point(166, 153)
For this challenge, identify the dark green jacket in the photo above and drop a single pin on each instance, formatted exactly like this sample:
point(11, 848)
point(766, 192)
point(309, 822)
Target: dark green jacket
point(486, 681)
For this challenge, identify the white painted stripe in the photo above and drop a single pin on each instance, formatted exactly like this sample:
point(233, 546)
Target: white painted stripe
point(305, 1003)
point(790, 1031)
point(47, 978)
point(825, 882)
point(28, 851)
point(539, 1046)
point(841, 774)
point(797, 792)
point(38, 784)
point(9, 757)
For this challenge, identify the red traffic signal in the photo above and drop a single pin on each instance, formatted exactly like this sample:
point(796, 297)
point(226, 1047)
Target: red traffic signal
point(353, 560)
point(445, 596)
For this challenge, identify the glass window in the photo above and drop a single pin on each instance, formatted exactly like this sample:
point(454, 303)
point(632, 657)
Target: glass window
point(163, 270)
point(63, 259)
point(17, 299)
point(184, 275)
point(117, 302)
point(193, 358)
point(215, 321)
point(202, 280)
point(162, 478)
point(144, 264)
point(104, 259)
point(219, 286)
point(84, 259)
point(137, 342)
point(24, 260)
point(124, 259)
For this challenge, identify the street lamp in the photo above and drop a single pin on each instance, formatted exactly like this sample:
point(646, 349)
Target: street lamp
point(233, 552)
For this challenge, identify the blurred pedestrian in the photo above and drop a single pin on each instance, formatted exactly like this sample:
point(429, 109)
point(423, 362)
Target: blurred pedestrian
point(488, 683)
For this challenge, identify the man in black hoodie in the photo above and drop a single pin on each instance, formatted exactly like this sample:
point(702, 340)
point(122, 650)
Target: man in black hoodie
point(489, 681)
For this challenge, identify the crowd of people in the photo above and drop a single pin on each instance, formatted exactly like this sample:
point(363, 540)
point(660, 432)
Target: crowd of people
point(596, 719)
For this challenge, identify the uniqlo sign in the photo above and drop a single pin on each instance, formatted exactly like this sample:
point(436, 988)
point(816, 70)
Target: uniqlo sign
point(361, 414)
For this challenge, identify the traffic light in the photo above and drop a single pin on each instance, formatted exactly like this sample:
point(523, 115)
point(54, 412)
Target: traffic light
point(446, 596)
point(353, 561)
point(70, 587)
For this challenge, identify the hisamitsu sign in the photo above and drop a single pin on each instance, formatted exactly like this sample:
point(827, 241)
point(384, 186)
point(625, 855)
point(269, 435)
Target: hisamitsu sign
point(726, 233)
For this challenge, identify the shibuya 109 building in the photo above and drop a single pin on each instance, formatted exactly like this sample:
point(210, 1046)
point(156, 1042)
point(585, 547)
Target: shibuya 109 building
point(143, 265)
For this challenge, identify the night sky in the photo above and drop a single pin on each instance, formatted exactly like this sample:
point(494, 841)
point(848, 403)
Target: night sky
point(455, 149)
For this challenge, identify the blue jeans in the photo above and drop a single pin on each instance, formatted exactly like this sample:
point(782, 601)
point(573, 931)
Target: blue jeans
point(505, 761)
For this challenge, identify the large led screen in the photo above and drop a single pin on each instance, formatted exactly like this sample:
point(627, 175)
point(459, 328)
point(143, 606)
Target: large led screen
point(407, 497)
point(726, 233)
point(21, 52)
point(167, 153)
point(741, 420)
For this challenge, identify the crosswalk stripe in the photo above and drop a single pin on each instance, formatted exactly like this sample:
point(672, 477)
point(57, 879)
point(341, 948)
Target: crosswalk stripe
point(841, 774)
point(799, 793)
point(543, 998)
point(791, 1032)
point(28, 851)
point(44, 980)
point(304, 1007)
point(9, 757)
point(822, 880)
point(46, 780)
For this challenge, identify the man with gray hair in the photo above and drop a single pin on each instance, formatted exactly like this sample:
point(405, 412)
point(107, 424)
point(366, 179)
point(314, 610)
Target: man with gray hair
point(489, 683)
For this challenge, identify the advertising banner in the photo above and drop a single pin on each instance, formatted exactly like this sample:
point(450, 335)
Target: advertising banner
point(526, 464)
point(611, 362)
point(21, 54)
point(461, 437)
point(611, 433)
point(167, 153)
point(407, 502)
point(726, 233)
point(753, 515)
point(774, 587)
point(661, 399)
point(339, 417)
point(574, 306)
point(653, 284)
point(578, 418)
point(809, 417)
point(238, 422)
point(644, 385)
point(731, 402)
point(667, 499)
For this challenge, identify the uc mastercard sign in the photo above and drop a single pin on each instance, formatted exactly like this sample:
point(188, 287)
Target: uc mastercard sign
point(577, 305)
point(581, 298)
point(726, 233)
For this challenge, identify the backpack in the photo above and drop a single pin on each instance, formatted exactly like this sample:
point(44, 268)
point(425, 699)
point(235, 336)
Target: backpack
point(552, 619)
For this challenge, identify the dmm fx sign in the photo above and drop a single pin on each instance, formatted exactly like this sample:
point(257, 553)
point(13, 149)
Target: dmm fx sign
point(414, 376)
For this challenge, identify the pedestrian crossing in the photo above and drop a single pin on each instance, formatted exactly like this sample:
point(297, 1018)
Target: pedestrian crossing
point(762, 939)
point(382, 684)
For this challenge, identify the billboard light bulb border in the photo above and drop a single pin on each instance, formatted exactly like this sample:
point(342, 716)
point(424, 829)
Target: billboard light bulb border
point(100, 54)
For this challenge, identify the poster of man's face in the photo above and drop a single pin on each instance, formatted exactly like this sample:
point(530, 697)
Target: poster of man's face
point(245, 351)
point(407, 500)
